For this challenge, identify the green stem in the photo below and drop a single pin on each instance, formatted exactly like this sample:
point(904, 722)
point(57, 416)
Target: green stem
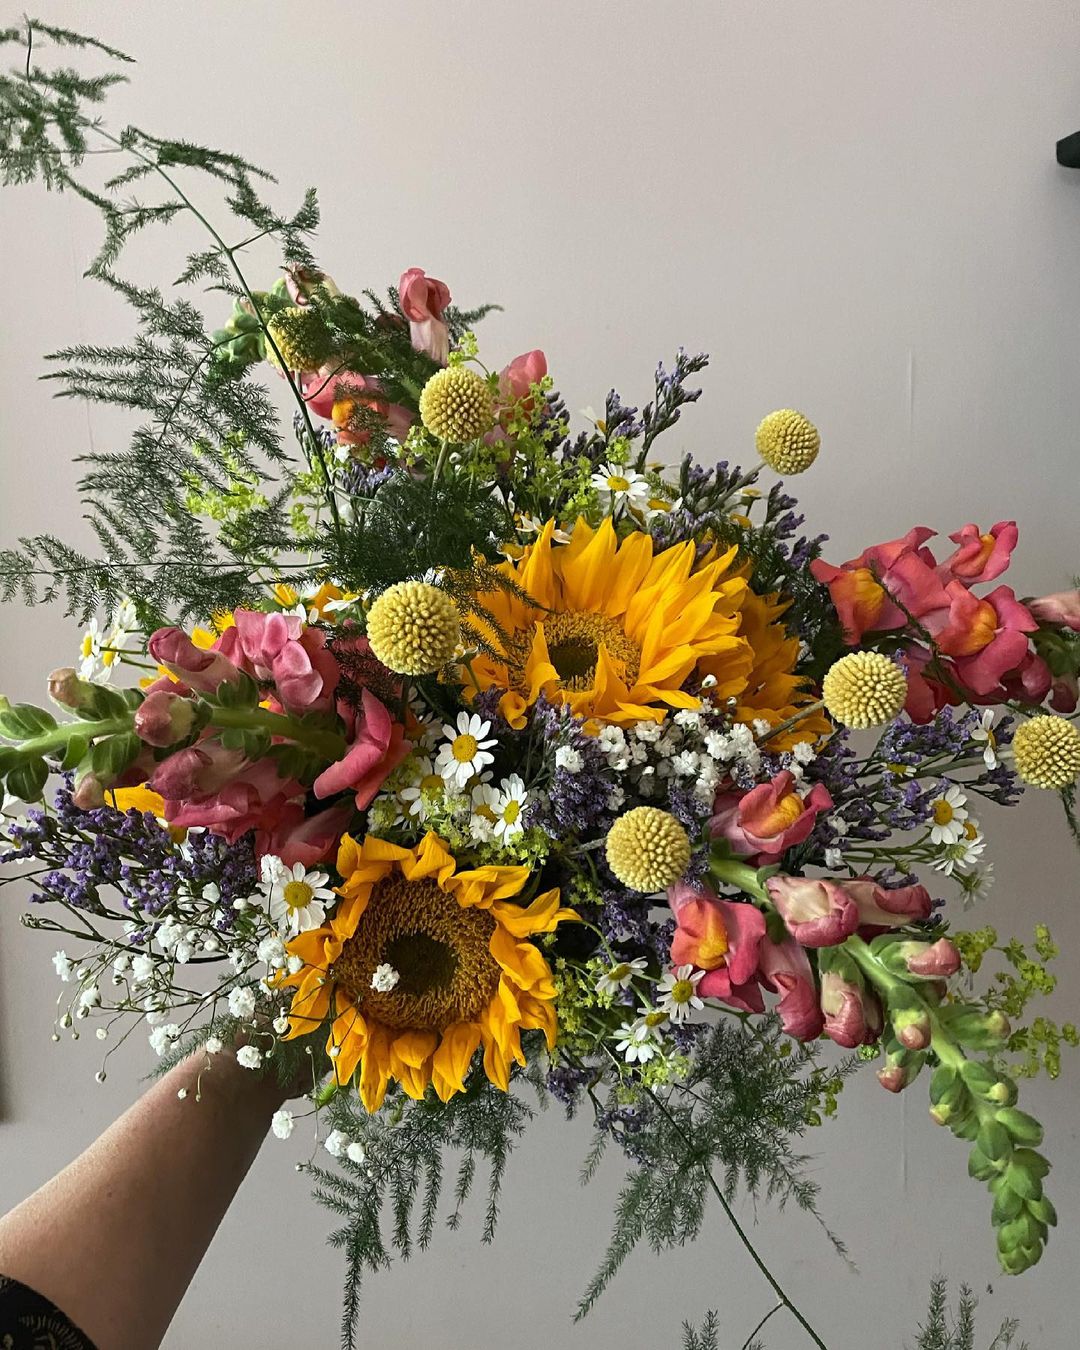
point(328, 744)
point(56, 739)
point(739, 1230)
point(734, 872)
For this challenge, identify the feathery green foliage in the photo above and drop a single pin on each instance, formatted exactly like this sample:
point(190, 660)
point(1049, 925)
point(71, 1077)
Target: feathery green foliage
point(389, 1203)
point(729, 1125)
point(943, 1331)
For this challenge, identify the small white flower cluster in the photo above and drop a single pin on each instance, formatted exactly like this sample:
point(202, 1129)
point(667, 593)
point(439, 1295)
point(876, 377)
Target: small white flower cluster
point(339, 1145)
point(101, 644)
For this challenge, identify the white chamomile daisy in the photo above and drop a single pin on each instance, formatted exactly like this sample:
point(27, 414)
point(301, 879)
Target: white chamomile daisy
point(678, 992)
point(618, 977)
point(947, 818)
point(424, 793)
point(618, 486)
point(975, 884)
point(984, 735)
point(637, 1042)
point(466, 752)
point(598, 422)
point(505, 805)
point(964, 853)
point(295, 898)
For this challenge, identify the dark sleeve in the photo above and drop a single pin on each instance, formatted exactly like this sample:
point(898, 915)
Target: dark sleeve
point(30, 1322)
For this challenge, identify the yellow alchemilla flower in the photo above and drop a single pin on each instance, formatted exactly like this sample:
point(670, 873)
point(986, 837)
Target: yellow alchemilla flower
point(467, 974)
point(614, 629)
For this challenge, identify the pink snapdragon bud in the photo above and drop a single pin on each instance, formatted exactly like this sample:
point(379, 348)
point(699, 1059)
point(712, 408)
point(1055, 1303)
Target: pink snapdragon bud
point(912, 1028)
point(423, 300)
point(785, 968)
point(201, 670)
point(196, 771)
point(882, 907)
point(163, 718)
point(67, 689)
point(89, 793)
point(933, 961)
point(1062, 607)
point(897, 1072)
point(853, 1015)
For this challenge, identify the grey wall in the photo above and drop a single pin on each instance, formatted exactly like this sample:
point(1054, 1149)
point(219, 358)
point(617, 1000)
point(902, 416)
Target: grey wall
point(855, 208)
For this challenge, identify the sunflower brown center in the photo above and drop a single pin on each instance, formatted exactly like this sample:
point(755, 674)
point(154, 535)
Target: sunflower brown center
point(574, 640)
point(440, 951)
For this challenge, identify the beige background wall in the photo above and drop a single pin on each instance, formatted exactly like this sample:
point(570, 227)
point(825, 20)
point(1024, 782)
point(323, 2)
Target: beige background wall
point(856, 209)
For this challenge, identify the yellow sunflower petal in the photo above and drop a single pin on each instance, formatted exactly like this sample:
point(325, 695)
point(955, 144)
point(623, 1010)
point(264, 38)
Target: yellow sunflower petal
point(542, 916)
point(522, 964)
point(348, 1035)
point(451, 1060)
point(482, 885)
point(375, 1068)
point(410, 1053)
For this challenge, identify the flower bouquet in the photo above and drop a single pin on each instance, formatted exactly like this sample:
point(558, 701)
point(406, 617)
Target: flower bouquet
point(466, 747)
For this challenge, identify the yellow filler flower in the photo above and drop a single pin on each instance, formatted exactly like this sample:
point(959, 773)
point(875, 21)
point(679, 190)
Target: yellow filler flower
point(420, 966)
point(613, 629)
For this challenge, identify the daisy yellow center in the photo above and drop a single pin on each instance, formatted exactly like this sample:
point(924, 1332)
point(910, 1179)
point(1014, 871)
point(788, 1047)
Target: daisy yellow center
point(297, 894)
point(87, 645)
point(464, 748)
point(971, 830)
point(620, 972)
point(655, 1019)
point(574, 640)
point(486, 813)
point(617, 483)
point(432, 782)
point(943, 812)
point(440, 951)
point(510, 812)
point(682, 991)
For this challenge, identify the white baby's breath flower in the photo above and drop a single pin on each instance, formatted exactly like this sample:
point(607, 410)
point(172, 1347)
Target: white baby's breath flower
point(356, 1153)
point(162, 1037)
point(336, 1142)
point(249, 1057)
point(213, 1045)
point(282, 1123)
point(242, 1003)
point(568, 758)
point(64, 965)
point(385, 978)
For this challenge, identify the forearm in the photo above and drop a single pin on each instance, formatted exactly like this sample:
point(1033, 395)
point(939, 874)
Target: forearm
point(116, 1237)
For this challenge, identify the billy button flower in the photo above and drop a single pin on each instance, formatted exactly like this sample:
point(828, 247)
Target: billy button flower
point(864, 689)
point(413, 628)
point(787, 441)
point(647, 849)
point(456, 405)
point(1046, 750)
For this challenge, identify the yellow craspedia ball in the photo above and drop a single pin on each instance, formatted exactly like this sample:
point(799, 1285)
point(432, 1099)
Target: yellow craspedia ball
point(1046, 751)
point(456, 405)
point(647, 849)
point(787, 441)
point(301, 337)
point(413, 628)
point(864, 689)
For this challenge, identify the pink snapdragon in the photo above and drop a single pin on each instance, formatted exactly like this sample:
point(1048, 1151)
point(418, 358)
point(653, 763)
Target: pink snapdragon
point(518, 378)
point(872, 592)
point(1063, 607)
point(253, 797)
point(785, 968)
point(769, 819)
point(980, 557)
point(376, 747)
point(164, 717)
point(987, 637)
point(722, 938)
point(423, 300)
point(822, 913)
point(281, 650)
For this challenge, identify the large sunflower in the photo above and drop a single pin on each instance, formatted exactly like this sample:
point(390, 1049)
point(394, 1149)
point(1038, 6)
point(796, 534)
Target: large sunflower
point(614, 629)
point(765, 688)
point(421, 965)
